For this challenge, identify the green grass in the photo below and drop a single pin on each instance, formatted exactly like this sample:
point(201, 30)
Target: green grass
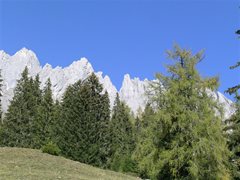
point(25, 164)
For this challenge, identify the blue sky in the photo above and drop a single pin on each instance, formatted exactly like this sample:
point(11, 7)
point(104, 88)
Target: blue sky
point(128, 36)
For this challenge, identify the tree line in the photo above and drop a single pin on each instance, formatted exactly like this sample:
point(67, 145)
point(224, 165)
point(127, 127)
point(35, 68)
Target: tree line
point(179, 135)
point(80, 125)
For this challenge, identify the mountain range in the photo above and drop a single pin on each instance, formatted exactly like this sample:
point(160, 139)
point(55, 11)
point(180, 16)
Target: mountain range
point(132, 91)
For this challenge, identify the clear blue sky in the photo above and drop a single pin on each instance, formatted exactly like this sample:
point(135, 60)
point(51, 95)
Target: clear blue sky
point(128, 36)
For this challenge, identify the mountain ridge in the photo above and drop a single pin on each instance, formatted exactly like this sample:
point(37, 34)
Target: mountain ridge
point(132, 91)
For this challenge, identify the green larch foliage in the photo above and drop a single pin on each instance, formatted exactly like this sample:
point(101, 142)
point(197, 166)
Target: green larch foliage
point(142, 122)
point(233, 133)
point(184, 140)
point(233, 130)
point(234, 89)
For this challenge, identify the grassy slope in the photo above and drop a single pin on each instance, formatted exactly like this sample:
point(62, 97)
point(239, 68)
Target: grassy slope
point(19, 163)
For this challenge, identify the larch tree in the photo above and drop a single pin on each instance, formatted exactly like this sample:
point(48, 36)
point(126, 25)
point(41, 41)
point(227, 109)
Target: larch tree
point(185, 138)
point(233, 129)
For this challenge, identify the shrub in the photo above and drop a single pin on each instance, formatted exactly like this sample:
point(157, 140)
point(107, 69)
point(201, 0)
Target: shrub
point(123, 163)
point(51, 148)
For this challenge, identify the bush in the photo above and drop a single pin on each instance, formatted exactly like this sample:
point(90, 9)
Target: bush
point(51, 148)
point(123, 163)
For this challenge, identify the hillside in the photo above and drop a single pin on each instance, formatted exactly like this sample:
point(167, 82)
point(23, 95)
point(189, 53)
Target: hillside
point(19, 163)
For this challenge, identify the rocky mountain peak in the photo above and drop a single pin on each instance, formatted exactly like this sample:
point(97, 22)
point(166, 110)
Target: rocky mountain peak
point(26, 55)
point(79, 69)
point(132, 92)
point(3, 55)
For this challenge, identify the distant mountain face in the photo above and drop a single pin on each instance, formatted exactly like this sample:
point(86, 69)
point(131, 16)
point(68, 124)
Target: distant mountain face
point(132, 90)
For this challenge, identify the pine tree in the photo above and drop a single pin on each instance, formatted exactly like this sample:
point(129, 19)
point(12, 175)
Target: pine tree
point(70, 126)
point(137, 128)
point(142, 134)
point(13, 135)
point(147, 116)
point(84, 122)
point(35, 102)
point(104, 130)
point(37, 92)
point(46, 114)
point(1, 94)
point(56, 125)
point(142, 122)
point(121, 138)
point(185, 139)
point(1, 113)
point(19, 128)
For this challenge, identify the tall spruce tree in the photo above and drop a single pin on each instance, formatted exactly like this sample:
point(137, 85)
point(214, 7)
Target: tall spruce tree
point(147, 116)
point(85, 118)
point(104, 130)
point(35, 101)
point(233, 129)
point(142, 135)
point(70, 122)
point(121, 138)
point(185, 139)
point(1, 113)
point(19, 128)
point(56, 125)
point(1, 94)
point(46, 114)
point(143, 122)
